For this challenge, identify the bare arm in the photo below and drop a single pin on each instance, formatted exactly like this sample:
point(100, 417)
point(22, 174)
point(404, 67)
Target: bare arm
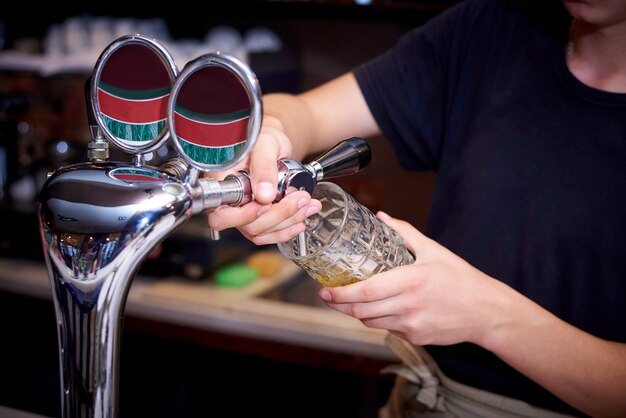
point(583, 370)
point(319, 118)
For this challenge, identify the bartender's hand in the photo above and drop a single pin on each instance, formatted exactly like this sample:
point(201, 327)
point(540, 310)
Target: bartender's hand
point(440, 299)
point(262, 221)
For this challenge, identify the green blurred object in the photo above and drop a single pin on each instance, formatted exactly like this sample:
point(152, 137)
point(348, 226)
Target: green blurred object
point(235, 275)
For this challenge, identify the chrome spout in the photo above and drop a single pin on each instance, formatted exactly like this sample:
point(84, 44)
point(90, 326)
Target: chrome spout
point(98, 223)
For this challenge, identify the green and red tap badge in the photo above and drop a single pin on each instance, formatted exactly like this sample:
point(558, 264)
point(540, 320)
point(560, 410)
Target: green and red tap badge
point(132, 101)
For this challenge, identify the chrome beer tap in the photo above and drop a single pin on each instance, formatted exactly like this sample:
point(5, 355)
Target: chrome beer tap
point(100, 219)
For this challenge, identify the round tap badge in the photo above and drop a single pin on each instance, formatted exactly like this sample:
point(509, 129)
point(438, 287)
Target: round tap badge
point(133, 91)
point(211, 116)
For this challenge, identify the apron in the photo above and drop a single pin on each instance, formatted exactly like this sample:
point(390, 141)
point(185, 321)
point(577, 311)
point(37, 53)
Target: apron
point(421, 390)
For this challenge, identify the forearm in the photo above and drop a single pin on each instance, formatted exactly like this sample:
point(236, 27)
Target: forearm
point(319, 118)
point(294, 118)
point(585, 371)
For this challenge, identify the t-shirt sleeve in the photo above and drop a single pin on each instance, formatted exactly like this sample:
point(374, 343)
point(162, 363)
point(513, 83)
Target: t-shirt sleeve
point(410, 87)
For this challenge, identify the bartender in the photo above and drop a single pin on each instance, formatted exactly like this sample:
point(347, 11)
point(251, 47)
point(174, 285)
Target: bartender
point(515, 303)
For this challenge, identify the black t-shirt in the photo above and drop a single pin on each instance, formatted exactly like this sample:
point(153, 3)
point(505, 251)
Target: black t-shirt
point(530, 163)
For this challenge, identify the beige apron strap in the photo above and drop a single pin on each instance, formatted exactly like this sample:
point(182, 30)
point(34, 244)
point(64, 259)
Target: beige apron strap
point(417, 368)
point(421, 389)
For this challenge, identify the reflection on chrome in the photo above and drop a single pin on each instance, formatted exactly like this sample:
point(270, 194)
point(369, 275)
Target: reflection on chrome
point(97, 229)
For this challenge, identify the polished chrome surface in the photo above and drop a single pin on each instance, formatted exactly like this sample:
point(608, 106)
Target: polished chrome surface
point(98, 224)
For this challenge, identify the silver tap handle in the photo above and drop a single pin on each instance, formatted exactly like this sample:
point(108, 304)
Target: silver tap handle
point(234, 190)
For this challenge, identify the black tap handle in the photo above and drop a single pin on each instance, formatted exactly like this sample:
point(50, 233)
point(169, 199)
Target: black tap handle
point(347, 157)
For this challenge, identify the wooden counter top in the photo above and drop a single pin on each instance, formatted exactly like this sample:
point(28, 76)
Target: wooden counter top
point(236, 311)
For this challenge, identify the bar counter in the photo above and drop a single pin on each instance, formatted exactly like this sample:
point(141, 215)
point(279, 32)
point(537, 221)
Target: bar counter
point(192, 348)
point(235, 311)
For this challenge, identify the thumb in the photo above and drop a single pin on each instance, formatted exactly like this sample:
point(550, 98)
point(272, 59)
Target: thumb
point(264, 172)
point(414, 240)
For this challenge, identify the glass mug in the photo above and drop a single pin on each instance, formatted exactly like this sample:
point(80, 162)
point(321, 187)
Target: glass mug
point(345, 242)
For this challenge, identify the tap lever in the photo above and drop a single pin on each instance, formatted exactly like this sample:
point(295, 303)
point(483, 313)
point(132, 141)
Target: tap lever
point(347, 157)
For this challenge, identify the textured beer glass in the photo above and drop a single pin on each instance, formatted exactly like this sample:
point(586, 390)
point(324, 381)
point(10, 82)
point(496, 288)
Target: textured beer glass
point(345, 242)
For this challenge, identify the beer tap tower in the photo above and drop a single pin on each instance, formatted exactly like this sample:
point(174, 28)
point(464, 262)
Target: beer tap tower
point(100, 219)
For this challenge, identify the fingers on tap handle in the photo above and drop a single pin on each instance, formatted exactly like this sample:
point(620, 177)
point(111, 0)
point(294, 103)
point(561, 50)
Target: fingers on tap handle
point(264, 178)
